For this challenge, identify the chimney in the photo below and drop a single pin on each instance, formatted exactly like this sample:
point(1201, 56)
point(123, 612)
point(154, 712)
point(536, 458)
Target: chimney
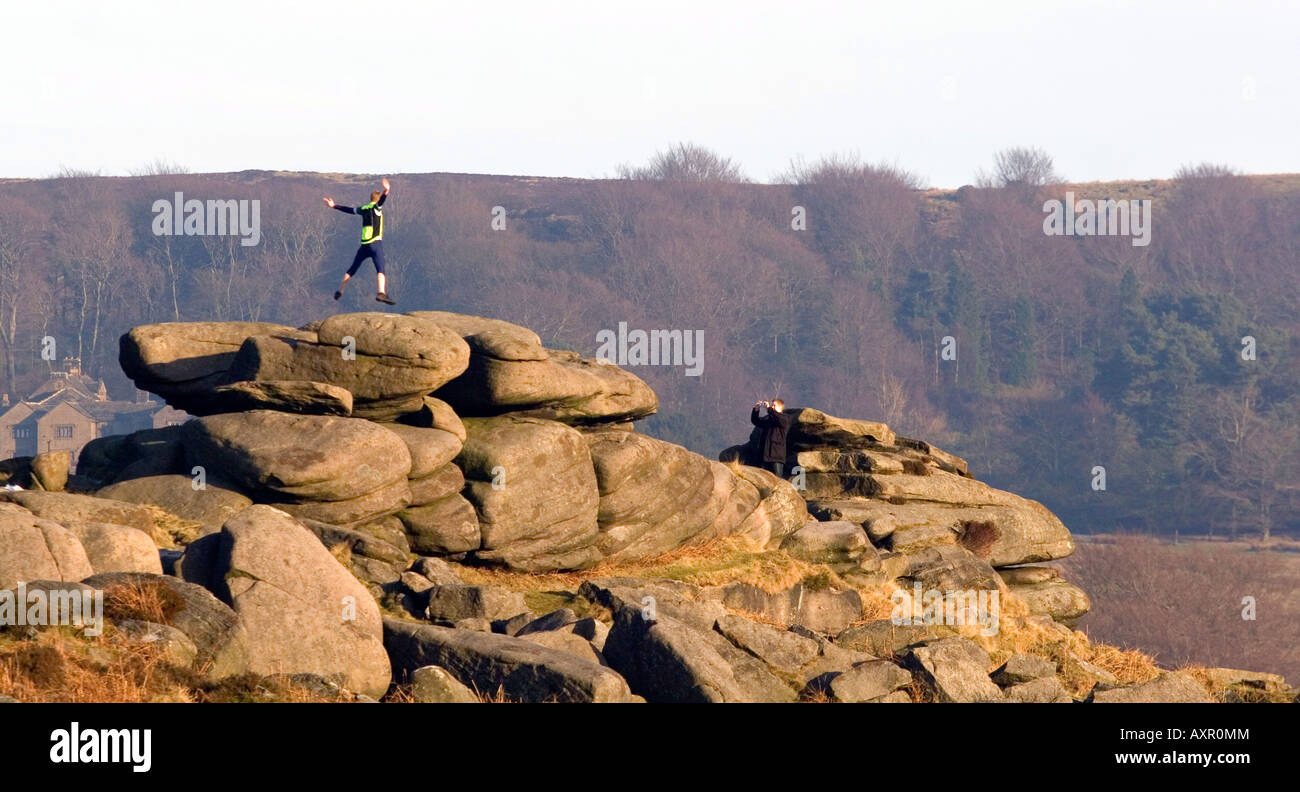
point(4, 400)
point(102, 393)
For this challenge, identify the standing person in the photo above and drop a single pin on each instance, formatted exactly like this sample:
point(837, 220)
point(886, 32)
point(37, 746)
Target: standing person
point(372, 240)
point(771, 442)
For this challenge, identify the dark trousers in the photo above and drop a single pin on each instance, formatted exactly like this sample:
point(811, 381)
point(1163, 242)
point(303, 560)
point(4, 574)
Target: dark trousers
point(777, 468)
point(373, 250)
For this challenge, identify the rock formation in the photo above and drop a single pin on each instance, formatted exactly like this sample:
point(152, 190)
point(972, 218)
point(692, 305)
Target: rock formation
point(370, 500)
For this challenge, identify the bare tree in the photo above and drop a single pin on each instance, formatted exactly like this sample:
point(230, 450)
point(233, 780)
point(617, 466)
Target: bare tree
point(686, 162)
point(159, 166)
point(1020, 166)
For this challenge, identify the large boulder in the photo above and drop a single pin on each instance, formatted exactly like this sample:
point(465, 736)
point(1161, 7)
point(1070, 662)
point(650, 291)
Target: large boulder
point(533, 487)
point(148, 452)
point(298, 457)
point(491, 664)
point(388, 362)
point(202, 501)
point(303, 612)
point(32, 548)
point(117, 548)
point(657, 496)
point(510, 371)
point(183, 361)
point(68, 507)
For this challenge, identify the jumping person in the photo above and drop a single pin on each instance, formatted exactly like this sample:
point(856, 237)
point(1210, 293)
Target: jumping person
point(771, 441)
point(372, 240)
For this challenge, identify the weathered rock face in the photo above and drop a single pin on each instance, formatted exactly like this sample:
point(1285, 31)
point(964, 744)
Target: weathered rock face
point(533, 486)
point(303, 612)
point(510, 371)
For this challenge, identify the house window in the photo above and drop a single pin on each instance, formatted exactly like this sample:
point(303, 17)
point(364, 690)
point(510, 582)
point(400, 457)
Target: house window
point(63, 431)
point(22, 432)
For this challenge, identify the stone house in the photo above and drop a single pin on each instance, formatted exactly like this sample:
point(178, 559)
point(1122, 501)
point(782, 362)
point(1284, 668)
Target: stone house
point(69, 410)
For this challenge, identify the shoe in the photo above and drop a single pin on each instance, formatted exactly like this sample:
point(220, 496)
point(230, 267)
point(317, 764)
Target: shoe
point(383, 298)
point(338, 295)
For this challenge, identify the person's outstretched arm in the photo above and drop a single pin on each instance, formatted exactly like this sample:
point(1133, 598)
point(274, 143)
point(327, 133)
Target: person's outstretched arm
point(384, 197)
point(345, 209)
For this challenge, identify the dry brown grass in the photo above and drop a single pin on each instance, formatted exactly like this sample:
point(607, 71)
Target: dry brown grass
point(142, 600)
point(720, 561)
point(57, 667)
point(172, 532)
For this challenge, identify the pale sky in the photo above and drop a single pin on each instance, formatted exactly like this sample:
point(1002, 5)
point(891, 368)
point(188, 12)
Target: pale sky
point(1111, 89)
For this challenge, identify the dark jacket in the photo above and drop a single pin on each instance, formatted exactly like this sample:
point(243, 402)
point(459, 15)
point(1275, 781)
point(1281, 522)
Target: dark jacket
point(771, 441)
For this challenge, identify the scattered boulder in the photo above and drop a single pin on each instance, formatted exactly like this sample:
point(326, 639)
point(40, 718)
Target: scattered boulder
point(666, 660)
point(838, 542)
point(884, 638)
point(1172, 687)
point(956, 669)
point(869, 681)
point(433, 685)
point(492, 664)
point(1021, 668)
point(454, 602)
point(1047, 690)
point(1056, 599)
point(50, 470)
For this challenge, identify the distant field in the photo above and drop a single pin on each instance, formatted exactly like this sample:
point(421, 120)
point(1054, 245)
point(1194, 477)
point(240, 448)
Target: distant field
point(1183, 603)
